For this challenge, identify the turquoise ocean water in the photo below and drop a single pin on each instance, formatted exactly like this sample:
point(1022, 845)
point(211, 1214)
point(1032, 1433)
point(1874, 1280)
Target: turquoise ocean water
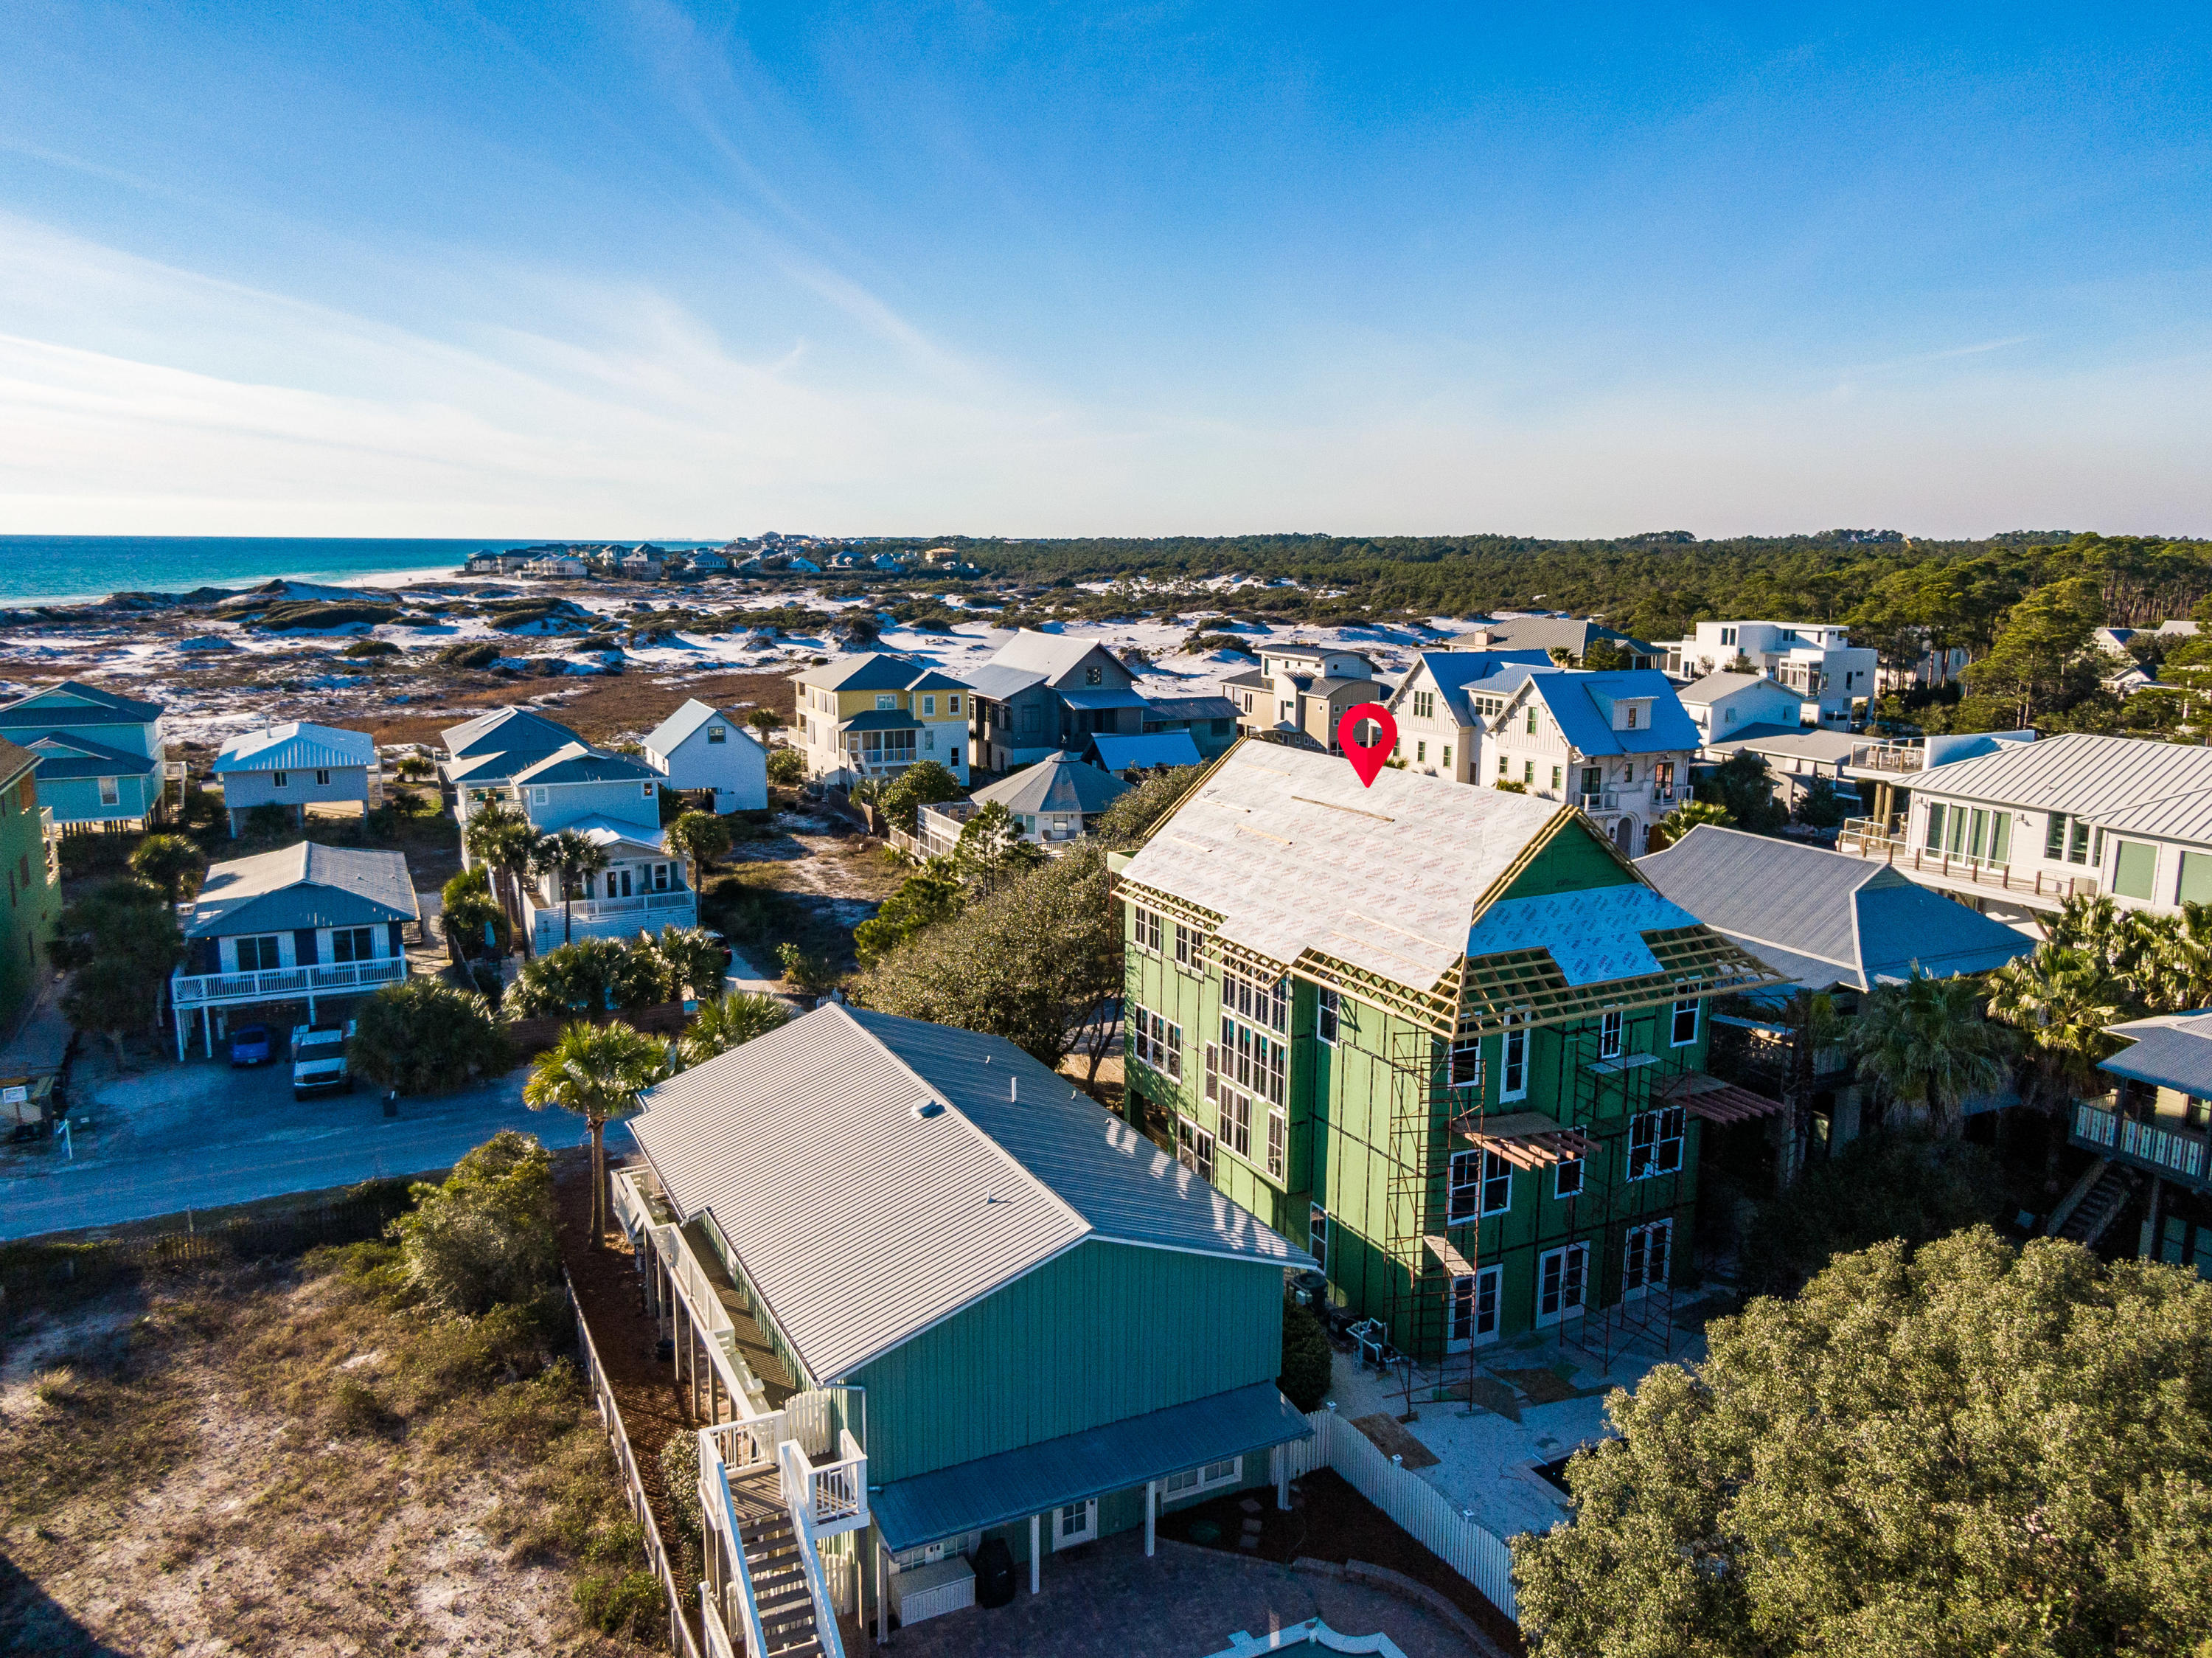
point(41, 568)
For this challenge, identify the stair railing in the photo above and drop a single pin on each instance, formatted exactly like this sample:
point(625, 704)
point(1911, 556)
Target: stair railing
point(722, 1515)
point(797, 1493)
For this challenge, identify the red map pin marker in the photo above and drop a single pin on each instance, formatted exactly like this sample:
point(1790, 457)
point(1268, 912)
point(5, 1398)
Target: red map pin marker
point(1366, 759)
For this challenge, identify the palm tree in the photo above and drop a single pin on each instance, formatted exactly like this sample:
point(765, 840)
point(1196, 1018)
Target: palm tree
point(691, 961)
point(2060, 998)
point(570, 858)
point(1926, 1042)
point(597, 1071)
point(723, 1024)
point(172, 863)
point(1687, 816)
point(501, 837)
point(700, 838)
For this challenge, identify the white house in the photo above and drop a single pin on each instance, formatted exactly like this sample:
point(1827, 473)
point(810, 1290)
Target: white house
point(699, 747)
point(614, 802)
point(1440, 704)
point(1721, 705)
point(296, 765)
point(1616, 744)
point(1815, 660)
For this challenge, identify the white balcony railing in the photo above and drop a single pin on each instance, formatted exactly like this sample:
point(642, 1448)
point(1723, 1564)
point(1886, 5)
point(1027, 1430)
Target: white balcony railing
point(2160, 1148)
point(285, 984)
point(833, 1497)
point(1866, 837)
point(596, 909)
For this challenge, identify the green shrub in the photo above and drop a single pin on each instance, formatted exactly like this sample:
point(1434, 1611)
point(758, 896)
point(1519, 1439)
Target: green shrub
point(475, 653)
point(679, 1475)
point(355, 1408)
point(314, 615)
point(424, 1036)
point(484, 1236)
point(787, 766)
point(1306, 1357)
point(631, 1604)
point(361, 649)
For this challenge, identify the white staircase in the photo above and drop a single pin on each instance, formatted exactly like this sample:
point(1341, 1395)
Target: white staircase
point(770, 1506)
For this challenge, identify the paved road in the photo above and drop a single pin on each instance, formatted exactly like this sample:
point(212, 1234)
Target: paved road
point(200, 1135)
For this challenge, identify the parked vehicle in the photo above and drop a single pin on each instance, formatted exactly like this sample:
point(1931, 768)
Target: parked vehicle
point(318, 1060)
point(252, 1045)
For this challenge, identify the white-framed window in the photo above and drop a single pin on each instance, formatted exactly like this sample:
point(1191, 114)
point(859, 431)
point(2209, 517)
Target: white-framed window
point(1447, 757)
point(1609, 1028)
point(929, 706)
point(1475, 1307)
point(1317, 1236)
point(322, 779)
point(279, 779)
point(1654, 1142)
point(1159, 1043)
point(1497, 1184)
point(1562, 1279)
point(1194, 1482)
point(1327, 1013)
point(1567, 1178)
point(1190, 949)
point(1532, 720)
point(886, 701)
point(1466, 1063)
point(1279, 1140)
point(1682, 1027)
point(1513, 1070)
point(1420, 754)
point(1147, 929)
point(1237, 1122)
point(1094, 675)
point(1193, 1147)
point(1244, 995)
point(262, 955)
point(1644, 1266)
point(111, 792)
point(1479, 1183)
point(353, 943)
point(1424, 704)
point(1075, 1522)
point(538, 796)
point(661, 877)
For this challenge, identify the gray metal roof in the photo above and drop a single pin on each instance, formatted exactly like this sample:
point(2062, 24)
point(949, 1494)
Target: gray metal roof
point(1038, 1478)
point(670, 734)
point(2124, 783)
point(1544, 632)
point(862, 1224)
point(1822, 917)
point(1792, 742)
point(2177, 1056)
point(1050, 655)
point(1193, 707)
point(302, 885)
point(294, 747)
point(998, 684)
point(1293, 854)
point(580, 763)
point(872, 670)
point(506, 730)
point(1058, 783)
point(1714, 686)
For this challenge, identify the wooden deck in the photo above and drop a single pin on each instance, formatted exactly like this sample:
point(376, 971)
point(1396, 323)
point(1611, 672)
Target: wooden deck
point(752, 1343)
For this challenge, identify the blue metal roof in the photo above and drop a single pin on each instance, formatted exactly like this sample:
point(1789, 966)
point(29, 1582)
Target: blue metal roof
point(1037, 1478)
point(1582, 704)
point(1159, 748)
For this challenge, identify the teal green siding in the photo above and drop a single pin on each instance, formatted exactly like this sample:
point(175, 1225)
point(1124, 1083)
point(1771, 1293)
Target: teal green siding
point(34, 902)
point(1104, 1332)
point(77, 800)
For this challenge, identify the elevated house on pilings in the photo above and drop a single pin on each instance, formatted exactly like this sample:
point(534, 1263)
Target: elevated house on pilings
point(1447, 1036)
point(923, 1295)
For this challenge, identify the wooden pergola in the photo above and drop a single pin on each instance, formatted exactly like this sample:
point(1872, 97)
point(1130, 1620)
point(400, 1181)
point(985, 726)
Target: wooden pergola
point(1716, 1101)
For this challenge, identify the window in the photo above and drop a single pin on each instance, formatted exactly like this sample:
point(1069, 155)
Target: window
point(1147, 929)
point(1513, 1073)
point(952, 704)
point(661, 877)
point(538, 796)
point(1157, 1043)
point(1466, 1063)
point(1424, 704)
point(1192, 1481)
point(957, 749)
point(1683, 1030)
point(1561, 1276)
point(645, 790)
point(2054, 834)
point(1497, 1184)
point(2077, 845)
point(258, 956)
point(1728, 636)
point(322, 779)
point(1644, 1267)
point(1474, 1306)
point(110, 794)
point(1556, 779)
point(279, 779)
point(2135, 868)
point(1528, 771)
point(929, 705)
point(2196, 886)
point(1193, 1148)
point(1447, 754)
point(717, 733)
point(1244, 995)
point(1420, 752)
point(1279, 1136)
point(886, 700)
point(1629, 722)
point(1317, 1236)
point(1481, 1183)
point(1610, 1033)
point(1327, 1006)
point(353, 943)
point(1502, 766)
point(1186, 950)
point(1094, 675)
point(1074, 1522)
point(1567, 1178)
point(1654, 1142)
point(1532, 722)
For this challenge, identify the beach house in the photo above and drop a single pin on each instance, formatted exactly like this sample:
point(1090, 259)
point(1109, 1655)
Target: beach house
point(296, 765)
point(705, 749)
point(31, 859)
point(103, 759)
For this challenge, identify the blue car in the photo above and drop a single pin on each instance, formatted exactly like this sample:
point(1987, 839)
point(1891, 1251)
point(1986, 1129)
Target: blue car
point(251, 1045)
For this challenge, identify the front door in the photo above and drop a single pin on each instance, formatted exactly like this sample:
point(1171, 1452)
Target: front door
point(1474, 1308)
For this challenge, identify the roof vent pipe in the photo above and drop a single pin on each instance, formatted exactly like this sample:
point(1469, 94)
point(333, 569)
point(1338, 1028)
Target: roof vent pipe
point(1014, 1089)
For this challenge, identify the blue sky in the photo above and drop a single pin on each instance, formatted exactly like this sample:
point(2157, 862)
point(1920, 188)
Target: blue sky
point(649, 269)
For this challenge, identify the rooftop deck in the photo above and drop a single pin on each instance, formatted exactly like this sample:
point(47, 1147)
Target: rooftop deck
point(1954, 872)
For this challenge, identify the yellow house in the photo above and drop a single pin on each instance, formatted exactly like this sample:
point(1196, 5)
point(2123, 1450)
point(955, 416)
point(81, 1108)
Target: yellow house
point(876, 714)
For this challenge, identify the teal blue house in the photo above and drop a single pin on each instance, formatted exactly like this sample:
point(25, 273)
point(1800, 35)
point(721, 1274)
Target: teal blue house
point(102, 759)
point(956, 1299)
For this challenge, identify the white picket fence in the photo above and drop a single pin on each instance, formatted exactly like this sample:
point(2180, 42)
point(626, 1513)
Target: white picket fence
point(1426, 1514)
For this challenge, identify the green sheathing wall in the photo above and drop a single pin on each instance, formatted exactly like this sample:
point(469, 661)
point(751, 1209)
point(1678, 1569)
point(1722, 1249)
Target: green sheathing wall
point(1574, 861)
point(1104, 1332)
point(33, 904)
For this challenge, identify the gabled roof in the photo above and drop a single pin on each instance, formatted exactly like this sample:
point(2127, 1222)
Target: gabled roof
point(580, 763)
point(2124, 783)
point(686, 722)
point(302, 885)
point(1153, 748)
point(73, 703)
point(1714, 686)
point(1549, 632)
point(294, 747)
point(1792, 742)
point(2170, 1050)
point(1824, 918)
point(63, 755)
point(937, 679)
point(1580, 703)
point(872, 670)
point(861, 1223)
point(509, 730)
point(1453, 671)
point(1051, 656)
point(1192, 708)
point(606, 834)
point(13, 760)
point(998, 684)
point(1059, 782)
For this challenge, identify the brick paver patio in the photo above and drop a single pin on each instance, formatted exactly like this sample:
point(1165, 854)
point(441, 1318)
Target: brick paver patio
point(1107, 1600)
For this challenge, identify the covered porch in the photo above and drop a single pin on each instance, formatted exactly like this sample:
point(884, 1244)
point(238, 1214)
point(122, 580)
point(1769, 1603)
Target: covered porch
point(211, 995)
point(641, 889)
